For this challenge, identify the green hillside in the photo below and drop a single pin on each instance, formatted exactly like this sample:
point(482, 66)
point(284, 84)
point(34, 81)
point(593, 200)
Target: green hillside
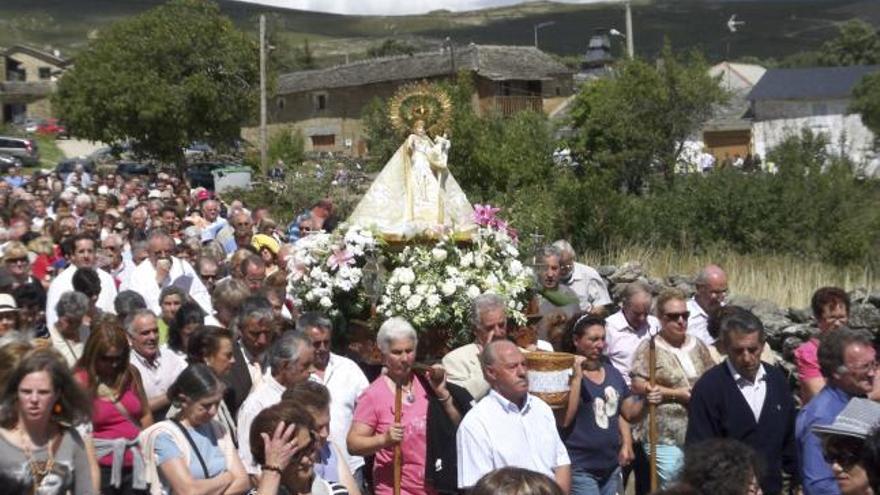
point(772, 29)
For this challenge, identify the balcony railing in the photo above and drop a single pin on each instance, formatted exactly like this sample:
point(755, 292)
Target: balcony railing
point(509, 105)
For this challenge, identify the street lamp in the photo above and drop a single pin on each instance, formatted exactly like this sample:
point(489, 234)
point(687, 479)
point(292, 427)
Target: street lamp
point(539, 26)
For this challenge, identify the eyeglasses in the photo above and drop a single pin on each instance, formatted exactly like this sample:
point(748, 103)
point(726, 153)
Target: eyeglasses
point(13, 261)
point(862, 368)
point(321, 343)
point(677, 316)
point(845, 457)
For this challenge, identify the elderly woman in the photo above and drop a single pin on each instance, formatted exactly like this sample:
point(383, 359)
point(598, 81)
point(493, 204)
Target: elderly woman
point(39, 451)
point(427, 399)
point(681, 360)
point(68, 335)
point(830, 307)
point(268, 248)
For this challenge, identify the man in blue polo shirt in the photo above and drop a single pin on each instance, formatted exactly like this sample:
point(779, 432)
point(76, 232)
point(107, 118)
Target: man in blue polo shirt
point(848, 362)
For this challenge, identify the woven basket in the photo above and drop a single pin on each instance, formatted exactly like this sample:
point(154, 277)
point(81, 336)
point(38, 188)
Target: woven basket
point(549, 375)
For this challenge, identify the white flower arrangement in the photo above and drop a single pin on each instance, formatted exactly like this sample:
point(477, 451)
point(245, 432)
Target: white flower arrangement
point(326, 268)
point(432, 286)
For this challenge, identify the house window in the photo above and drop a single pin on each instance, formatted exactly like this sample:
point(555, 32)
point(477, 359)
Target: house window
point(45, 72)
point(320, 101)
point(320, 140)
point(279, 102)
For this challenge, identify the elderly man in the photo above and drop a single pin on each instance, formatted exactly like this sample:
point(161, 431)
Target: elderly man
point(158, 367)
point(119, 267)
point(558, 303)
point(252, 271)
point(208, 272)
point(747, 400)
point(254, 327)
point(343, 378)
point(161, 270)
point(290, 359)
point(711, 284)
point(488, 319)
point(627, 328)
point(583, 280)
point(509, 427)
point(848, 362)
point(83, 257)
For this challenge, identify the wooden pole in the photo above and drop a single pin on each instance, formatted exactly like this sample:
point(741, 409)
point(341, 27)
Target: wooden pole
point(398, 455)
point(652, 414)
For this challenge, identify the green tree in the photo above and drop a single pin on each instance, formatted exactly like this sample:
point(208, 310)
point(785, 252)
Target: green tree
point(857, 43)
point(173, 75)
point(866, 101)
point(391, 47)
point(287, 145)
point(636, 123)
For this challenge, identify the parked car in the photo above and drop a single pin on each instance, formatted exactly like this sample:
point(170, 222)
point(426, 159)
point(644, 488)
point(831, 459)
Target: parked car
point(7, 162)
point(128, 169)
point(22, 148)
point(66, 167)
point(201, 174)
point(52, 127)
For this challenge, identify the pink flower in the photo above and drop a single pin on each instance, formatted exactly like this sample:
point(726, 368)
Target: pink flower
point(340, 257)
point(485, 214)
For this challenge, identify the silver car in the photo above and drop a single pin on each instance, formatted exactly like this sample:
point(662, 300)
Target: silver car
point(22, 148)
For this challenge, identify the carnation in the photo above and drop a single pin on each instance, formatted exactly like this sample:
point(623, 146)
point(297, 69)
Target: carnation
point(439, 254)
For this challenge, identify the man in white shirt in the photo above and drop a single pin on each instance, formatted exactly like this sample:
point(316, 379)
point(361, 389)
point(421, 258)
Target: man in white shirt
point(118, 266)
point(290, 359)
point(509, 427)
point(158, 367)
point(627, 328)
point(711, 284)
point(343, 378)
point(586, 282)
point(83, 257)
point(162, 269)
point(488, 318)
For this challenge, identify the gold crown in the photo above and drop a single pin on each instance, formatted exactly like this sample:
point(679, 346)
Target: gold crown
point(420, 101)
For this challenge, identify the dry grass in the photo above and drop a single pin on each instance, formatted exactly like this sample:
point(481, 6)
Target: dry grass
point(786, 280)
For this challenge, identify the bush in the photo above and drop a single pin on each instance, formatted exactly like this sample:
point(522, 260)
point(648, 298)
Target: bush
point(287, 145)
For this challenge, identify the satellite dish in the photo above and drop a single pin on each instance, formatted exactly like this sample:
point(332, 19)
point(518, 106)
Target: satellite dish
point(732, 23)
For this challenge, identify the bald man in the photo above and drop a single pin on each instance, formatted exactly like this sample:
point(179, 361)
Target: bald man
point(711, 284)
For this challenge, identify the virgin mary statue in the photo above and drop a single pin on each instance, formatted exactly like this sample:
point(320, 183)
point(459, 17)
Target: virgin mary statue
point(415, 195)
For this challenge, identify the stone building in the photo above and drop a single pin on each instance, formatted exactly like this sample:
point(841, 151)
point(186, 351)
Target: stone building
point(729, 132)
point(326, 104)
point(27, 78)
point(785, 101)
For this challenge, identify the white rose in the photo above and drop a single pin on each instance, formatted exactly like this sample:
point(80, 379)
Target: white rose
point(467, 260)
point(451, 270)
point(491, 280)
point(422, 289)
point(433, 300)
point(479, 262)
point(514, 267)
point(473, 291)
point(407, 276)
point(448, 288)
point(439, 254)
point(325, 302)
point(413, 302)
point(405, 291)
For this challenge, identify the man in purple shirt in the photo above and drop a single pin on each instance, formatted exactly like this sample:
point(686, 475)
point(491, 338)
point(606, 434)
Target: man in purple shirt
point(848, 362)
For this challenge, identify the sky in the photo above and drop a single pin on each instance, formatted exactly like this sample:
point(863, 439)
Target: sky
point(393, 7)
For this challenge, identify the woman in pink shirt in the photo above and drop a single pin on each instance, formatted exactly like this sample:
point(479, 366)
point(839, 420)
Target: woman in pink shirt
point(374, 431)
point(119, 407)
point(831, 309)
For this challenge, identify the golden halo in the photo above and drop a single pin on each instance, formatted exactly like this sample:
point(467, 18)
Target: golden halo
point(420, 101)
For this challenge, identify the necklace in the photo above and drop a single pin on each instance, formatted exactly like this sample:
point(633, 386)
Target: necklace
point(409, 396)
point(38, 469)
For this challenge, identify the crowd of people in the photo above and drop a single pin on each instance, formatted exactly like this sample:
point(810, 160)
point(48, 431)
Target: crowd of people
point(148, 345)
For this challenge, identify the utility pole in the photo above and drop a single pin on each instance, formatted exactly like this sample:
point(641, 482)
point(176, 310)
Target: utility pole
point(539, 26)
point(264, 166)
point(630, 51)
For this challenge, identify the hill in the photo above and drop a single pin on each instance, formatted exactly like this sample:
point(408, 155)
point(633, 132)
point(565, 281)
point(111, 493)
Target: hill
point(773, 28)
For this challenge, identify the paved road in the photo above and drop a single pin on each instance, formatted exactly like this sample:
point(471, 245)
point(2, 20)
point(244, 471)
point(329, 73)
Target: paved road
point(77, 147)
